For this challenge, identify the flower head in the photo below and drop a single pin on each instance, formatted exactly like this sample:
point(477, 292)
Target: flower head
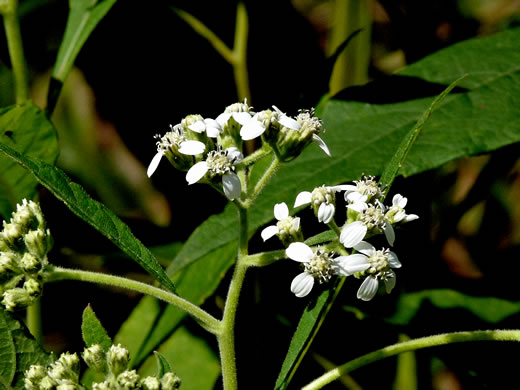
point(318, 265)
point(219, 163)
point(265, 120)
point(322, 200)
point(287, 228)
point(396, 212)
point(365, 190)
point(372, 265)
point(177, 148)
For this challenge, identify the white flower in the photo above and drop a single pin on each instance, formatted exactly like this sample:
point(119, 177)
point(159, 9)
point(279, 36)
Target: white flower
point(363, 191)
point(210, 126)
point(173, 144)
point(240, 112)
point(284, 226)
point(374, 265)
point(396, 212)
point(371, 218)
point(310, 124)
point(261, 121)
point(322, 200)
point(319, 265)
point(219, 162)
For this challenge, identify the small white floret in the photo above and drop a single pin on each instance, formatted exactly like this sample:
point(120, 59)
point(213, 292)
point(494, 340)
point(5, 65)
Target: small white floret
point(302, 284)
point(197, 172)
point(352, 234)
point(154, 164)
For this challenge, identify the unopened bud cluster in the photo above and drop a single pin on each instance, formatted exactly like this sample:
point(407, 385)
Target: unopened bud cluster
point(24, 244)
point(63, 374)
point(211, 149)
point(367, 216)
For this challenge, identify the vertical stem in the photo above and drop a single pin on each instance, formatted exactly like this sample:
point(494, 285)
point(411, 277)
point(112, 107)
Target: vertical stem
point(240, 54)
point(14, 43)
point(226, 339)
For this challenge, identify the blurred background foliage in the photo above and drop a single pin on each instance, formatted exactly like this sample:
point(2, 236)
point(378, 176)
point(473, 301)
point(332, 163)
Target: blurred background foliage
point(144, 68)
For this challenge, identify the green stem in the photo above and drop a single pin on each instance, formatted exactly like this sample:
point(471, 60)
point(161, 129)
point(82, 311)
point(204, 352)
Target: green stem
point(34, 320)
point(412, 345)
point(240, 54)
point(210, 323)
point(264, 258)
point(256, 155)
point(14, 43)
point(269, 172)
point(226, 339)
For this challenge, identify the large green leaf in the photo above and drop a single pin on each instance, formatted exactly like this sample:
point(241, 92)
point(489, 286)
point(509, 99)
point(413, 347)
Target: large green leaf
point(26, 129)
point(489, 309)
point(83, 17)
point(18, 351)
point(90, 210)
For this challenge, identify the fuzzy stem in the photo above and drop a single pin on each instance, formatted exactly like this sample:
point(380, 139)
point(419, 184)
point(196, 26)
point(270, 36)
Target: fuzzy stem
point(226, 339)
point(412, 345)
point(14, 43)
point(209, 322)
point(269, 172)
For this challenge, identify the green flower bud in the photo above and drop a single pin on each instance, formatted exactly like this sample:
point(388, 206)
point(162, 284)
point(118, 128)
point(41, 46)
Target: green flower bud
point(67, 385)
point(117, 359)
point(102, 386)
point(13, 235)
point(33, 287)
point(150, 383)
point(16, 298)
point(30, 263)
point(33, 376)
point(128, 379)
point(38, 242)
point(47, 383)
point(170, 381)
point(65, 368)
point(4, 247)
point(9, 261)
point(95, 357)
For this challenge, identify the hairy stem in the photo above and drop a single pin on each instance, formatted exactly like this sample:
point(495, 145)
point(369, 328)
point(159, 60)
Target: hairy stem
point(412, 345)
point(209, 322)
point(269, 172)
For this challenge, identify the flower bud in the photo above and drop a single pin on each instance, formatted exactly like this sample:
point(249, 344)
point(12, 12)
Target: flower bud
point(38, 242)
point(150, 383)
point(95, 357)
point(67, 385)
point(170, 381)
point(15, 298)
point(65, 368)
point(128, 379)
point(33, 376)
point(33, 287)
point(102, 386)
point(47, 383)
point(13, 234)
point(30, 263)
point(117, 359)
point(9, 261)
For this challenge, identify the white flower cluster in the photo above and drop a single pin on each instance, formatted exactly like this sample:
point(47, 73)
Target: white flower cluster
point(211, 148)
point(366, 217)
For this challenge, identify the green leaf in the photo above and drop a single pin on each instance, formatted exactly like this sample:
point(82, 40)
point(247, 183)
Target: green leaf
point(489, 309)
point(18, 351)
point(26, 129)
point(163, 366)
point(92, 330)
point(83, 17)
point(191, 359)
point(93, 212)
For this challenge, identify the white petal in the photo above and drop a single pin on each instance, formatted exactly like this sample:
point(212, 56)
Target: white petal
point(231, 185)
point(351, 264)
point(223, 118)
point(269, 231)
point(192, 147)
point(303, 198)
point(241, 117)
point(213, 128)
point(321, 144)
point(197, 127)
point(298, 251)
point(389, 233)
point(341, 187)
point(358, 206)
point(302, 284)
point(197, 172)
point(390, 283)
point(296, 223)
point(356, 197)
point(368, 289)
point(399, 200)
point(365, 248)
point(234, 155)
point(411, 217)
point(281, 211)
point(154, 164)
point(326, 212)
point(393, 261)
point(290, 123)
point(399, 216)
point(352, 234)
point(251, 130)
